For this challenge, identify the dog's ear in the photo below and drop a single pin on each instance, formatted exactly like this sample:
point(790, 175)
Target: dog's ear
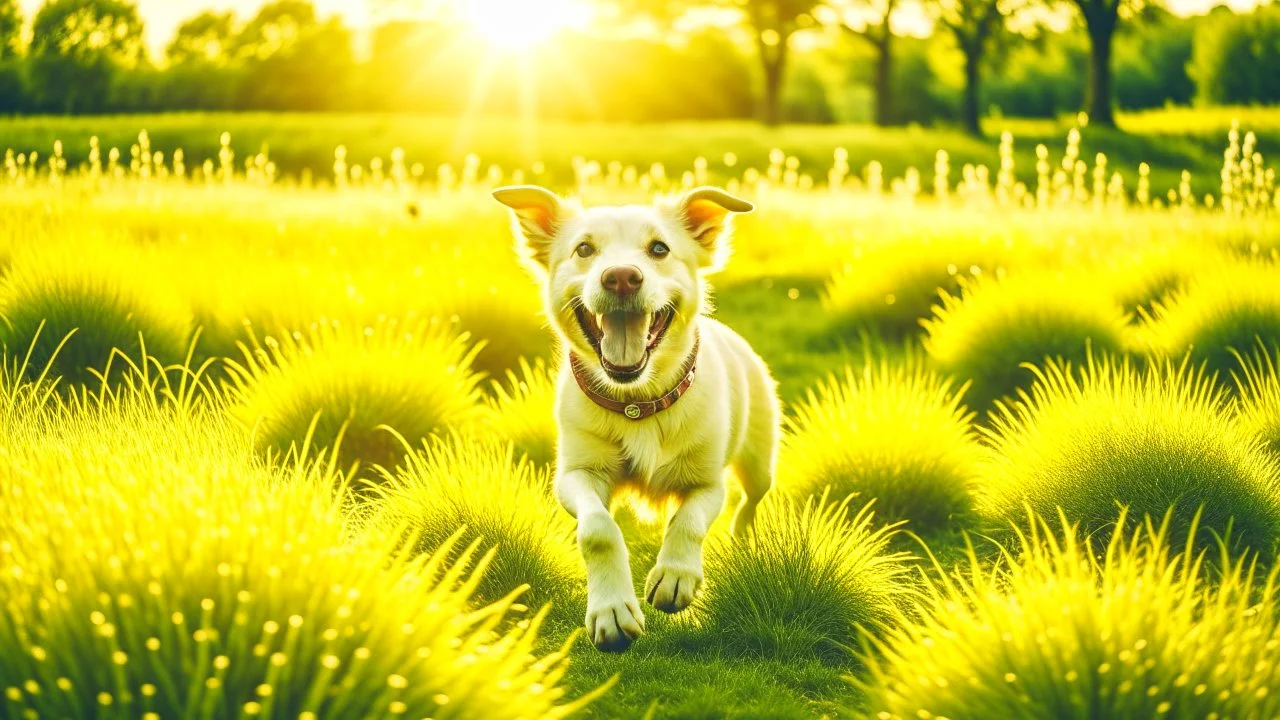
point(704, 212)
point(538, 213)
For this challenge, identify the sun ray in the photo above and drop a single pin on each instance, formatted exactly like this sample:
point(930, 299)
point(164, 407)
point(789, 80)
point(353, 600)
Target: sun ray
point(518, 25)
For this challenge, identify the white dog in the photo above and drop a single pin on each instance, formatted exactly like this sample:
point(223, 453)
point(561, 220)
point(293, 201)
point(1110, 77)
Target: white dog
point(653, 394)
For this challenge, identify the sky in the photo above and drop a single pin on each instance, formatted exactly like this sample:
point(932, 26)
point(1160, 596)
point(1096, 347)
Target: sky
point(162, 17)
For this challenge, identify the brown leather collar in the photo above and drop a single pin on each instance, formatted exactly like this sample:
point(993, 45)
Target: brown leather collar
point(637, 409)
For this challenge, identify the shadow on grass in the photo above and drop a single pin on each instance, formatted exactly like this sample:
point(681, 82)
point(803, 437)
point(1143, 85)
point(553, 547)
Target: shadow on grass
point(665, 676)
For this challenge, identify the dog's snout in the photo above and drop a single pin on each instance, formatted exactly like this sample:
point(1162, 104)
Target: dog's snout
point(622, 280)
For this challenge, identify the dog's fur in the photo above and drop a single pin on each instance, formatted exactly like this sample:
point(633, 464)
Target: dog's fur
point(727, 418)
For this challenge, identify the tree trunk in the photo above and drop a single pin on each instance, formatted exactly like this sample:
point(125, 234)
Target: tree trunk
point(969, 110)
point(775, 64)
point(1100, 104)
point(884, 82)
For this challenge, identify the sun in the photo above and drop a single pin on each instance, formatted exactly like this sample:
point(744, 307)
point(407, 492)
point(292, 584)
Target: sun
point(522, 24)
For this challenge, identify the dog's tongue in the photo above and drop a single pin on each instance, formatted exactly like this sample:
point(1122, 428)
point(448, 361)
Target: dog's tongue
point(625, 338)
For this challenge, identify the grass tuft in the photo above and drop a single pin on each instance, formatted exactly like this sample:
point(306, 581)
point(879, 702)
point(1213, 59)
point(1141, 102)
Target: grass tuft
point(197, 582)
point(996, 326)
point(505, 318)
point(1222, 312)
point(889, 290)
point(68, 319)
point(1147, 440)
point(350, 387)
point(522, 411)
point(1257, 403)
point(803, 581)
point(1157, 270)
point(502, 502)
point(895, 432)
point(1056, 631)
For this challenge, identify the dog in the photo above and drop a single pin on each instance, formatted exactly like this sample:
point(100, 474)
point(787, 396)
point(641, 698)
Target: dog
point(653, 395)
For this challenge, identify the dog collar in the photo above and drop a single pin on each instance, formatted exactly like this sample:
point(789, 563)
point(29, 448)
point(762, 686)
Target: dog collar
point(637, 409)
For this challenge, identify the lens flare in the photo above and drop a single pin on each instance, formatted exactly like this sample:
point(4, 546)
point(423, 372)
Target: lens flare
point(521, 24)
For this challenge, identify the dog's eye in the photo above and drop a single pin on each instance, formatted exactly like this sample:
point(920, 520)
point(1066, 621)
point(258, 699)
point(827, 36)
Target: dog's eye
point(659, 249)
point(585, 250)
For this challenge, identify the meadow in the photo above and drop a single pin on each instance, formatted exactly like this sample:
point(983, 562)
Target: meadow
point(1169, 140)
point(279, 443)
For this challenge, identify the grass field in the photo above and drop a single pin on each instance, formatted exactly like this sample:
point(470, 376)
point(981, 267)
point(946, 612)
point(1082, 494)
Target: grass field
point(1170, 141)
point(281, 448)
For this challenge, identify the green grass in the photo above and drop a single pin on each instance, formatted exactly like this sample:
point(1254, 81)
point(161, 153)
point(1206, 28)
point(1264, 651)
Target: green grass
point(787, 338)
point(200, 473)
point(1224, 311)
point(1158, 271)
point(995, 326)
point(68, 318)
point(1086, 442)
point(1070, 628)
point(148, 604)
point(809, 575)
point(521, 410)
point(710, 686)
point(360, 393)
point(298, 141)
point(1257, 404)
point(503, 503)
point(890, 293)
point(893, 432)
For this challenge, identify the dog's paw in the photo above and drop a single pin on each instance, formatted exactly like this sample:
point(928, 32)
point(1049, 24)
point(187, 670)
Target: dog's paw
point(671, 588)
point(613, 624)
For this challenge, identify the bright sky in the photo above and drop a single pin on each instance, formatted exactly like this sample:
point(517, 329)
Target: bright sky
point(162, 17)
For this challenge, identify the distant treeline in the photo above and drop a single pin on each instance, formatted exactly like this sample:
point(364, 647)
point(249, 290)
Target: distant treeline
point(87, 56)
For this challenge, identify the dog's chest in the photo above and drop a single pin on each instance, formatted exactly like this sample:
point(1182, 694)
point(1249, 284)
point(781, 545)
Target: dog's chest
point(655, 462)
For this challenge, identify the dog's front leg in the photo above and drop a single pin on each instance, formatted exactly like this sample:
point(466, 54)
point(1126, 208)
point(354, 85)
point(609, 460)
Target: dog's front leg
point(613, 612)
point(675, 579)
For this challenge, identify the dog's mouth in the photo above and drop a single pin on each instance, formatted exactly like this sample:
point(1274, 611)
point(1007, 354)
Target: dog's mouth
point(624, 340)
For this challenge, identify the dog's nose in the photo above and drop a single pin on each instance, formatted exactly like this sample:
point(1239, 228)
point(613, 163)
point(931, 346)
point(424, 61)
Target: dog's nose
point(622, 280)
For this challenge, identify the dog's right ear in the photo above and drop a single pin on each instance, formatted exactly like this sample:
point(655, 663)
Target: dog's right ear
point(538, 213)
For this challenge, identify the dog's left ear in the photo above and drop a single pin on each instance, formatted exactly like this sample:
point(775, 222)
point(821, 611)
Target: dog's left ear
point(705, 211)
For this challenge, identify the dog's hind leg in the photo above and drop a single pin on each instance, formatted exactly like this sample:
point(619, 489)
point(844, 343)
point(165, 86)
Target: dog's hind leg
point(755, 466)
point(756, 476)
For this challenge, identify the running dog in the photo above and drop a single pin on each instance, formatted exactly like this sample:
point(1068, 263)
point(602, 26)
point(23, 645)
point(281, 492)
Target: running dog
point(654, 395)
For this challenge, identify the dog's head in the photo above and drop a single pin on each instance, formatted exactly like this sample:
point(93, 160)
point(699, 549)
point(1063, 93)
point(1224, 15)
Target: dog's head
point(620, 280)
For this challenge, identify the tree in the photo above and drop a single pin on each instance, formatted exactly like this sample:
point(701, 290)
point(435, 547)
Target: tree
point(10, 29)
point(1043, 78)
point(869, 20)
point(975, 24)
point(292, 61)
point(773, 22)
point(203, 73)
point(1235, 58)
point(276, 27)
point(12, 93)
point(205, 38)
point(77, 49)
point(1101, 18)
point(1149, 63)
